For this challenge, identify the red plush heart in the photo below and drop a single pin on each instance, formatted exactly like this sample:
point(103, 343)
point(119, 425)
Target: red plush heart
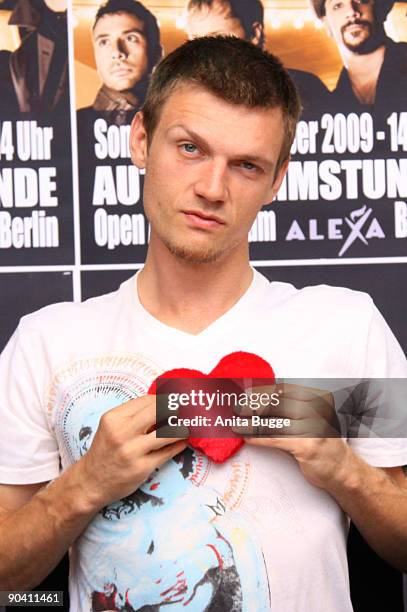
point(235, 365)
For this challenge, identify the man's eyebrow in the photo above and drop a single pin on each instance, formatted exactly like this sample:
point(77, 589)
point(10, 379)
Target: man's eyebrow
point(192, 134)
point(199, 140)
point(129, 31)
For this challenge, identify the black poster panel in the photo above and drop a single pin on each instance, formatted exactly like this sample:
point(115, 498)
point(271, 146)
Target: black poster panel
point(98, 282)
point(338, 201)
point(25, 292)
point(345, 192)
point(114, 228)
point(36, 212)
point(386, 283)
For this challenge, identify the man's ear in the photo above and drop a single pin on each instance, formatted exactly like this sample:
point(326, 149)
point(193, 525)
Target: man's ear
point(257, 33)
point(278, 179)
point(138, 141)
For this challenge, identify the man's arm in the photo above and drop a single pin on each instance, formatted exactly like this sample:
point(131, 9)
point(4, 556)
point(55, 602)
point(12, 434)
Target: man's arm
point(39, 523)
point(376, 501)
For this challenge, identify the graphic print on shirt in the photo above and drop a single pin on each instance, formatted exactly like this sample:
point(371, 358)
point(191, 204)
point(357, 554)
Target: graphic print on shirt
point(174, 541)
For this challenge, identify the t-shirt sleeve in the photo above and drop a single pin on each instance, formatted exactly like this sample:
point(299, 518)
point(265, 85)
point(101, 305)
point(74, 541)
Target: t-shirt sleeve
point(382, 358)
point(28, 448)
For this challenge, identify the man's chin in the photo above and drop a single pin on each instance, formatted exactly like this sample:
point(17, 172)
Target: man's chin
point(364, 44)
point(123, 85)
point(195, 256)
point(354, 43)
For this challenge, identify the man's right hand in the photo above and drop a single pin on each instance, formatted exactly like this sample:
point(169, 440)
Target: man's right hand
point(39, 523)
point(124, 452)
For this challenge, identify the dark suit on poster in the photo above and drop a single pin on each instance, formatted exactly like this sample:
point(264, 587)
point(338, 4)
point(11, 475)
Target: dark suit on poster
point(315, 97)
point(8, 100)
point(34, 77)
point(391, 88)
point(116, 107)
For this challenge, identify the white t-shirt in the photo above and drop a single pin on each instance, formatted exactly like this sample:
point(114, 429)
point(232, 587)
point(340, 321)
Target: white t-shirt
point(247, 535)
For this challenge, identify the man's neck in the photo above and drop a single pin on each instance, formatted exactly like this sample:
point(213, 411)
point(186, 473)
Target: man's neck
point(190, 297)
point(363, 71)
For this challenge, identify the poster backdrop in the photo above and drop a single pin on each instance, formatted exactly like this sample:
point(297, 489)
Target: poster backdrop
point(72, 223)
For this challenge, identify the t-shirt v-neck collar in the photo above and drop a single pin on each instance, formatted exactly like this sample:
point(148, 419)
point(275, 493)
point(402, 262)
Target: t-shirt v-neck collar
point(218, 327)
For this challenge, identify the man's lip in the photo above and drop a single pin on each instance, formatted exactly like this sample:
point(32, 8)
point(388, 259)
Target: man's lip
point(197, 213)
point(355, 25)
point(122, 70)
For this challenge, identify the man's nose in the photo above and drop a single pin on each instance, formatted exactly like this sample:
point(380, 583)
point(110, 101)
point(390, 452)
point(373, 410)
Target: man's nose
point(211, 184)
point(118, 50)
point(353, 8)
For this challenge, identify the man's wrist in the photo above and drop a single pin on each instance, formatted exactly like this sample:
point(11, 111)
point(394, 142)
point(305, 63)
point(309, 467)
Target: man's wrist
point(83, 486)
point(71, 498)
point(349, 476)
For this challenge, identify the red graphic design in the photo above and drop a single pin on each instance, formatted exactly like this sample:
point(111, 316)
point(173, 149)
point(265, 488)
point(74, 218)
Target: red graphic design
point(235, 365)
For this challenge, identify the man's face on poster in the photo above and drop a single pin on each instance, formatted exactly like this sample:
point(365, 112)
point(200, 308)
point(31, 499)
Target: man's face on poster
point(351, 23)
point(120, 47)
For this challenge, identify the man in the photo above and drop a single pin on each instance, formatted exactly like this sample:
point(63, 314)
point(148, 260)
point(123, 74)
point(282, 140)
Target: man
point(246, 20)
point(126, 43)
point(374, 76)
point(161, 523)
point(35, 76)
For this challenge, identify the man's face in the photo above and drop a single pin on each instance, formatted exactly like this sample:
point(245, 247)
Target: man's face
point(120, 50)
point(350, 22)
point(210, 167)
point(212, 21)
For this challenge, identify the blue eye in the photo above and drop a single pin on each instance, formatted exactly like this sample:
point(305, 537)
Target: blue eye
point(248, 166)
point(189, 147)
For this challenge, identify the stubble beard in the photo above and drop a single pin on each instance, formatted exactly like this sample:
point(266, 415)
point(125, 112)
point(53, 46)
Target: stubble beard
point(194, 256)
point(373, 40)
point(199, 255)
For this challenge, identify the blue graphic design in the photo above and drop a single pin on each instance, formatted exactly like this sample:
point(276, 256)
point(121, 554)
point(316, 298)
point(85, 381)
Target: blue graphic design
point(171, 543)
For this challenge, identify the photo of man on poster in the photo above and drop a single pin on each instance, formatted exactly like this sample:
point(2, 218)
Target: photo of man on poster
point(35, 75)
point(126, 45)
point(246, 20)
point(374, 76)
point(36, 215)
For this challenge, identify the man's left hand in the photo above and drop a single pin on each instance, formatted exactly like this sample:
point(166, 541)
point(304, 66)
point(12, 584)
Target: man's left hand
point(312, 437)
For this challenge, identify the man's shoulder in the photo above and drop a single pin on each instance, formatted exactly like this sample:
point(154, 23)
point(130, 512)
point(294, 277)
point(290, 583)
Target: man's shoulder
point(74, 319)
point(4, 57)
point(321, 302)
point(313, 92)
point(87, 114)
point(320, 293)
point(396, 53)
point(301, 77)
point(342, 302)
point(396, 47)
